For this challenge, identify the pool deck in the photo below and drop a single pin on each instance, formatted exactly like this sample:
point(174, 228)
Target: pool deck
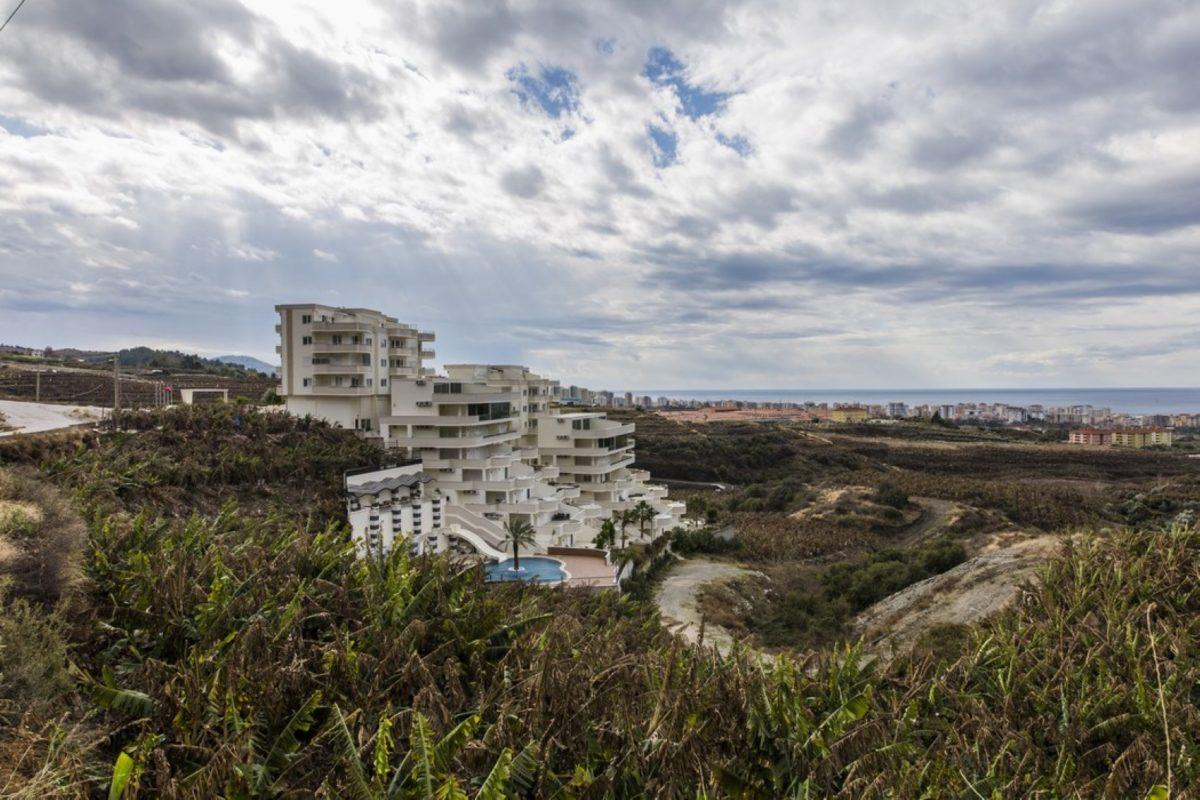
point(587, 570)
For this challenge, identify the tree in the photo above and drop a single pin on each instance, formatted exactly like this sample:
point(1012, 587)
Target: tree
point(625, 519)
point(643, 513)
point(607, 535)
point(518, 533)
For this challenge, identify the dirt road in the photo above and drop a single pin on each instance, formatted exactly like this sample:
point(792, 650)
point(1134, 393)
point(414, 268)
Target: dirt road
point(34, 417)
point(935, 515)
point(677, 598)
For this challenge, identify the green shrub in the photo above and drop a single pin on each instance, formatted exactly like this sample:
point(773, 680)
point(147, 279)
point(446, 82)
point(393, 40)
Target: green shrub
point(889, 494)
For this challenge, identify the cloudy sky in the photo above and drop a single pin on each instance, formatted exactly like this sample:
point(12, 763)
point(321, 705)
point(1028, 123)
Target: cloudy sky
point(634, 194)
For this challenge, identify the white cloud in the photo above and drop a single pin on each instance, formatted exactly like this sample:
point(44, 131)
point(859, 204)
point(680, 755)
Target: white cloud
point(923, 195)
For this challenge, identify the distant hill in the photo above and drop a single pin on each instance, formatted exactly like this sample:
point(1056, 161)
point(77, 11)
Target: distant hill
point(249, 362)
point(171, 361)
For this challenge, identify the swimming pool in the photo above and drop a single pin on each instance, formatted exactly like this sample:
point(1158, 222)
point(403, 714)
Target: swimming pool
point(533, 568)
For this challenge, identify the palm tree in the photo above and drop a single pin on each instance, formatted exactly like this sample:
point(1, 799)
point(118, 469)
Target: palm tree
point(519, 533)
point(643, 512)
point(624, 519)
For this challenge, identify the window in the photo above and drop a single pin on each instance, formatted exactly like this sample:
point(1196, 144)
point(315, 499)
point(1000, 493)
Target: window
point(447, 388)
point(383, 381)
point(337, 338)
point(365, 360)
point(398, 344)
point(306, 319)
point(369, 381)
point(306, 340)
point(308, 381)
point(367, 340)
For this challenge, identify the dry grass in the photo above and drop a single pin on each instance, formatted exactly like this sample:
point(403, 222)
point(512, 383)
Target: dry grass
point(40, 537)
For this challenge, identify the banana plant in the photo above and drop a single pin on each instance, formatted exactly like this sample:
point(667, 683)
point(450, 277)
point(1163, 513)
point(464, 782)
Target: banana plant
point(426, 770)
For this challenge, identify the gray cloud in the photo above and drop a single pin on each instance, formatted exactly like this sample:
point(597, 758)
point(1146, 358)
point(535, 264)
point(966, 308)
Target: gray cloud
point(527, 182)
point(1146, 209)
point(165, 58)
point(852, 136)
point(968, 183)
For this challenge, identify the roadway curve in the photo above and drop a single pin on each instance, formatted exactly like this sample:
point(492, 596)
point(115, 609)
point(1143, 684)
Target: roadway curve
point(676, 599)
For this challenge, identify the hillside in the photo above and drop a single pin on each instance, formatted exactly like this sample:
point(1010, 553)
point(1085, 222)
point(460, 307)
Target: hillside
point(250, 363)
point(224, 641)
point(148, 358)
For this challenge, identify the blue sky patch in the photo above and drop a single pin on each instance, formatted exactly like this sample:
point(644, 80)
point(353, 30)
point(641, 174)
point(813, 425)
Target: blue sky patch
point(553, 88)
point(666, 143)
point(737, 143)
point(664, 69)
point(19, 127)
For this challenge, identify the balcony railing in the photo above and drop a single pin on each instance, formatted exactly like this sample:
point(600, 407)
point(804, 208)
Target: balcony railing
point(346, 325)
point(341, 369)
point(344, 347)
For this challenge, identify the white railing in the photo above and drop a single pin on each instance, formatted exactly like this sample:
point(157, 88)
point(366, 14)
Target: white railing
point(492, 533)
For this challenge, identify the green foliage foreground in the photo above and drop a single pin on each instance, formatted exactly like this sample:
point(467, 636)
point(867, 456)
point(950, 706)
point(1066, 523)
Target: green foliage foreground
point(246, 655)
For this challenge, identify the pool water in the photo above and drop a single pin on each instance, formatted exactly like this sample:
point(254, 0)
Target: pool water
point(533, 568)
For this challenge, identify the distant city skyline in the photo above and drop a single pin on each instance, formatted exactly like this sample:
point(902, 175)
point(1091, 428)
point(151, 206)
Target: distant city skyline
point(687, 193)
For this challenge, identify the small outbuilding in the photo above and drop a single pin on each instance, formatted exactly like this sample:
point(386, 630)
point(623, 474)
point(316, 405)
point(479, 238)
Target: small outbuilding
point(203, 397)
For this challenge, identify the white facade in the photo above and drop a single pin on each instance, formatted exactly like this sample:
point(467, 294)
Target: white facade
point(338, 363)
point(391, 505)
point(488, 438)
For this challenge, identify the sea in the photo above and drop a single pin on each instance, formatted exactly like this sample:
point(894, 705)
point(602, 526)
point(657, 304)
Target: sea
point(1130, 401)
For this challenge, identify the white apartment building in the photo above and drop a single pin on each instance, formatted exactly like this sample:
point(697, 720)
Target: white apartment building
point(338, 363)
point(486, 435)
point(391, 504)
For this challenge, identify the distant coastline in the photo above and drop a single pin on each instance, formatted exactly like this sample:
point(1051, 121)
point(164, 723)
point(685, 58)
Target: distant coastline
point(1126, 400)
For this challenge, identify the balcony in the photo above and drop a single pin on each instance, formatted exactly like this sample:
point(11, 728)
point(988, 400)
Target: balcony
point(489, 462)
point(488, 395)
point(426, 336)
point(455, 442)
point(616, 429)
point(592, 511)
point(345, 347)
point(504, 485)
point(341, 369)
point(600, 469)
point(344, 391)
point(346, 325)
point(428, 353)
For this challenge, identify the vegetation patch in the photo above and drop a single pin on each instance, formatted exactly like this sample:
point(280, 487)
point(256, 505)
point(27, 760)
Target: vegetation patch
point(243, 651)
point(801, 606)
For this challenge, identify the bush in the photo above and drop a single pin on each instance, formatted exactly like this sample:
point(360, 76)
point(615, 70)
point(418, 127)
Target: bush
point(889, 494)
point(702, 540)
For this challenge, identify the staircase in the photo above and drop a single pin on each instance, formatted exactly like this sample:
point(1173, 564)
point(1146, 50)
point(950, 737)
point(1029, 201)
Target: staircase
point(478, 531)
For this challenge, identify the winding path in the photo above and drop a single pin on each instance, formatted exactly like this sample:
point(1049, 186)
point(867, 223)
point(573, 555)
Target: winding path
point(677, 599)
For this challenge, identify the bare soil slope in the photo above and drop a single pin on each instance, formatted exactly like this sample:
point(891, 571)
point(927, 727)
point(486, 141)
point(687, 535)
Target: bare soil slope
point(975, 589)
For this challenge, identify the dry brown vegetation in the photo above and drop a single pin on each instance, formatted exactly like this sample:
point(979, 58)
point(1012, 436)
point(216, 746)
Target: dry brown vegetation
point(248, 653)
point(41, 537)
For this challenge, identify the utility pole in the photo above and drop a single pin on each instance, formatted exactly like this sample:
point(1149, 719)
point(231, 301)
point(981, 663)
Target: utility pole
point(116, 380)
